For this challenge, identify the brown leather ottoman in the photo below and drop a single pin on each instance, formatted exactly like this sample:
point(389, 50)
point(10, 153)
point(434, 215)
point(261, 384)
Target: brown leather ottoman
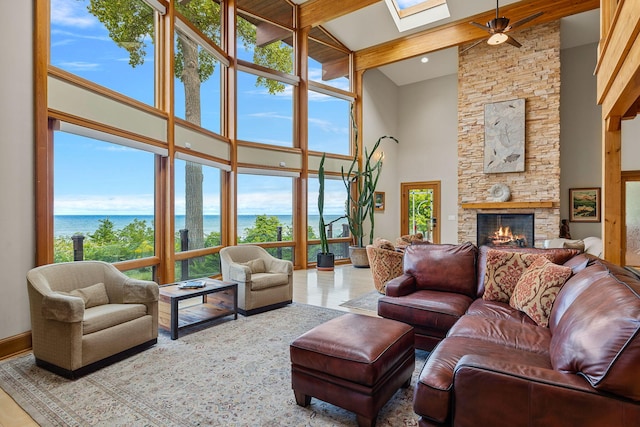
point(355, 362)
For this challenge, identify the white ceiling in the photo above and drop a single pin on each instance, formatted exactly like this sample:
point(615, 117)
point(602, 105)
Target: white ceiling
point(374, 25)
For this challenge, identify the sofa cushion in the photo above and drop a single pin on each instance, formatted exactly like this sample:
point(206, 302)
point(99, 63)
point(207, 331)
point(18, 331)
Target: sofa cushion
point(598, 336)
point(443, 267)
point(434, 387)
point(557, 256)
point(506, 331)
point(499, 310)
point(105, 316)
point(93, 295)
point(572, 288)
point(503, 271)
point(431, 313)
point(578, 244)
point(268, 280)
point(537, 288)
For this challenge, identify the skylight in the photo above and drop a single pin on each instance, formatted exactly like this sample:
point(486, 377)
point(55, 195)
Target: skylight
point(409, 14)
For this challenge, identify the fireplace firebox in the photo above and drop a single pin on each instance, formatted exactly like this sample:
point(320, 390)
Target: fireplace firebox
point(500, 229)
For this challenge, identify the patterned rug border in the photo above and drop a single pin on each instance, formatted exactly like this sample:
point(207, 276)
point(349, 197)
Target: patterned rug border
point(215, 376)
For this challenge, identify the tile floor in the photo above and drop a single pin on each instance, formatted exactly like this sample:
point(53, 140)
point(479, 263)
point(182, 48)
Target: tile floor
point(326, 289)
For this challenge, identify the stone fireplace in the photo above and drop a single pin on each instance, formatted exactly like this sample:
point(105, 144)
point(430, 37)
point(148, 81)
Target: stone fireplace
point(488, 75)
point(506, 229)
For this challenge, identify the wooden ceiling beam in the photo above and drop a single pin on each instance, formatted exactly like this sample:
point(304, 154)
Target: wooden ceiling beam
point(317, 12)
point(460, 32)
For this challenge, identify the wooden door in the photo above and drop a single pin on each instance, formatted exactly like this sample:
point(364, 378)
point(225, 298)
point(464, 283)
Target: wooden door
point(420, 209)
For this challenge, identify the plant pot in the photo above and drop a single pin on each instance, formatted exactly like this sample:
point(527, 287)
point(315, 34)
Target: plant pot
point(358, 256)
point(325, 262)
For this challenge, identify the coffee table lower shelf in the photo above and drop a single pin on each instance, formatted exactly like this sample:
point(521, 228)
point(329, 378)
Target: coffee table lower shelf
point(179, 308)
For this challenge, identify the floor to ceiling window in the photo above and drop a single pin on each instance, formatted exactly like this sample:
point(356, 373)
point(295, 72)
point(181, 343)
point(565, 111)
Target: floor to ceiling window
point(170, 146)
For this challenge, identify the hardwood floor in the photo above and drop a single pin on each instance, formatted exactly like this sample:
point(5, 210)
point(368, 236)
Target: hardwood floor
point(325, 289)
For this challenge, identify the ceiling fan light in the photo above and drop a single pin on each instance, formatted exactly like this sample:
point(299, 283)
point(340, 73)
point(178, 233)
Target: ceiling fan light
point(497, 38)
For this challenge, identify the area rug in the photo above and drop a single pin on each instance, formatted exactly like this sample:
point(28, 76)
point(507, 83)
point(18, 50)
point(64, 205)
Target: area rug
point(234, 373)
point(368, 301)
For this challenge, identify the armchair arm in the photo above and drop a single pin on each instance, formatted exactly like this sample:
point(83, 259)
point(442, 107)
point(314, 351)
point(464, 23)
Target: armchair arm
point(62, 308)
point(280, 266)
point(139, 291)
point(239, 273)
point(400, 286)
point(520, 394)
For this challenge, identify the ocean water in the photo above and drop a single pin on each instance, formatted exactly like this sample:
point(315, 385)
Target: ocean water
point(68, 225)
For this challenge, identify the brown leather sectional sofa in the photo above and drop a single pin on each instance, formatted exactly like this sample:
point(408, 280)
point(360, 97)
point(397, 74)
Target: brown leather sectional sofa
point(492, 365)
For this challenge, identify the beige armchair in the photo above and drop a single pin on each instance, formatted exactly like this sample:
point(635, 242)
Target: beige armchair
point(87, 314)
point(264, 281)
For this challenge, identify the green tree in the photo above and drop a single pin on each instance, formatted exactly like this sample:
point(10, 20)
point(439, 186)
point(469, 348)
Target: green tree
point(131, 26)
point(265, 229)
point(105, 234)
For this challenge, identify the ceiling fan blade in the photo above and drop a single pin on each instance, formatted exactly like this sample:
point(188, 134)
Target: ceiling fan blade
point(525, 20)
point(473, 45)
point(512, 41)
point(484, 27)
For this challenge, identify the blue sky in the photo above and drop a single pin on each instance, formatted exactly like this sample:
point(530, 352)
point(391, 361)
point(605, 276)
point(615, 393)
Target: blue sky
point(94, 177)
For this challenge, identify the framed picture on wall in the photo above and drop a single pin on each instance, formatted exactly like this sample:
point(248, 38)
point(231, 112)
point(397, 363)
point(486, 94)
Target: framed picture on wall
point(584, 204)
point(378, 201)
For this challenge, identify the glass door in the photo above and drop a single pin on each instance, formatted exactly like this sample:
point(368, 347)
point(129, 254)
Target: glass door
point(421, 209)
point(631, 203)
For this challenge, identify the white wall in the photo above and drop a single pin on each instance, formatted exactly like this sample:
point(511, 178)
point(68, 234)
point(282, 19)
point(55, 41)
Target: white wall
point(429, 131)
point(580, 131)
point(17, 245)
point(631, 144)
point(381, 117)
point(426, 124)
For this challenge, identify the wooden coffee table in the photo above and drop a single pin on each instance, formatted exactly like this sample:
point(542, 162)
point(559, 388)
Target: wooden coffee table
point(218, 299)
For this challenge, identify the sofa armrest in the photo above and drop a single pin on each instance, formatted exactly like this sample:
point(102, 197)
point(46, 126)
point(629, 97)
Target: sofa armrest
point(139, 291)
point(489, 391)
point(280, 266)
point(62, 308)
point(239, 273)
point(400, 286)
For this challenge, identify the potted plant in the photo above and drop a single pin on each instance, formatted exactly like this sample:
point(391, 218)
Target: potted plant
point(361, 180)
point(325, 259)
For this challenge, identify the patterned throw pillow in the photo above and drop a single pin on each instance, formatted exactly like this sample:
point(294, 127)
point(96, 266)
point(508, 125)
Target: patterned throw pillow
point(537, 289)
point(503, 271)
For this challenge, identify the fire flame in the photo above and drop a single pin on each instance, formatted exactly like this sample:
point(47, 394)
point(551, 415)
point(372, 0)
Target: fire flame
point(503, 235)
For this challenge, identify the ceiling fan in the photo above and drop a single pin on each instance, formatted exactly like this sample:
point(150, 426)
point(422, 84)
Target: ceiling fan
point(499, 27)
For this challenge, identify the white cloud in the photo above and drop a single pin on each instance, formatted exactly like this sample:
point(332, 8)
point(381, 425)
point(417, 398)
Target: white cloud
point(271, 115)
point(328, 126)
point(107, 204)
point(71, 13)
point(79, 65)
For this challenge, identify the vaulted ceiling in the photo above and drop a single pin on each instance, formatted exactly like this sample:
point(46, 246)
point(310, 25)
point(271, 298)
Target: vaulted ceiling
point(366, 27)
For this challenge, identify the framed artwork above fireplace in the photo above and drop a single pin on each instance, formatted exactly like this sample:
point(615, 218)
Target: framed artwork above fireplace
point(504, 136)
point(584, 204)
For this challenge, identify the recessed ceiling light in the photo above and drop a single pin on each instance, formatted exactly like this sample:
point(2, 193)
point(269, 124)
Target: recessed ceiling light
point(424, 59)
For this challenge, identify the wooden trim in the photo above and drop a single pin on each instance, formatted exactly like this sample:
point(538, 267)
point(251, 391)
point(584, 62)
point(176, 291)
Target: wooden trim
point(101, 127)
point(183, 123)
point(507, 205)
point(267, 168)
point(612, 194)
point(460, 32)
point(195, 253)
point(301, 131)
point(43, 134)
point(316, 12)
point(12, 346)
point(103, 91)
point(251, 144)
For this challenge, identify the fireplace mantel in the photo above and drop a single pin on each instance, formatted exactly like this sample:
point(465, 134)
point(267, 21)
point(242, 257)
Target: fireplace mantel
point(507, 205)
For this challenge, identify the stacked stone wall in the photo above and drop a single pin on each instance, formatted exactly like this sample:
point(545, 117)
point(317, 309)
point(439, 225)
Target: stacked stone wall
point(488, 74)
